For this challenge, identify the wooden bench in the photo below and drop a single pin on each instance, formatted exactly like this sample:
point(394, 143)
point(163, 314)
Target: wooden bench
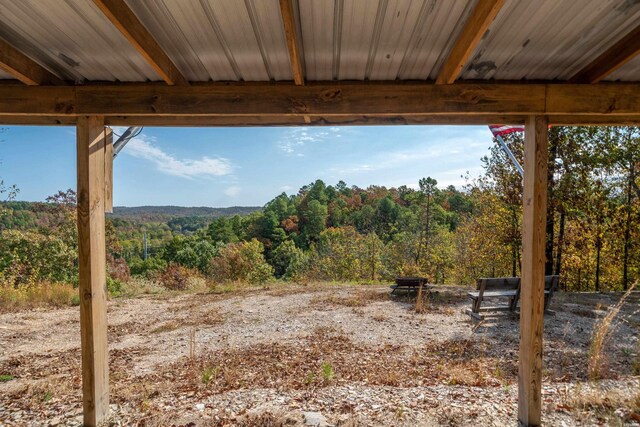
point(494, 288)
point(505, 288)
point(410, 284)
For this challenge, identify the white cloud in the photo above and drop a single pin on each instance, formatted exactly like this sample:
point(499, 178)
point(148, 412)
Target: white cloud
point(286, 188)
point(233, 191)
point(455, 148)
point(143, 147)
point(294, 139)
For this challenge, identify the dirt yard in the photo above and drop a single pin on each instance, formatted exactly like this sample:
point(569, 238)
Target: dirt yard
point(317, 355)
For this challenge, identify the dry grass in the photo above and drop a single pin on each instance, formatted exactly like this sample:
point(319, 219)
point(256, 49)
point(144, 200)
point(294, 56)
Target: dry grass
point(204, 318)
point(328, 357)
point(137, 286)
point(421, 307)
point(612, 407)
point(597, 367)
point(380, 317)
point(165, 327)
point(283, 289)
point(360, 298)
point(266, 419)
point(44, 294)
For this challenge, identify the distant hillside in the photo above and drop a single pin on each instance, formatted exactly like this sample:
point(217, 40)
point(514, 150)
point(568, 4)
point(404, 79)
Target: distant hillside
point(125, 212)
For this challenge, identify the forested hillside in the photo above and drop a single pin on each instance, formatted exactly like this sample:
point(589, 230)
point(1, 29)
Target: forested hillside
point(340, 232)
point(168, 212)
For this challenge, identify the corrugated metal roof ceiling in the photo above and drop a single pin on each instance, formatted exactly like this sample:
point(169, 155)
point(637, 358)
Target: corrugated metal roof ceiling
point(73, 39)
point(378, 39)
point(629, 72)
point(219, 39)
point(550, 39)
point(340, 39)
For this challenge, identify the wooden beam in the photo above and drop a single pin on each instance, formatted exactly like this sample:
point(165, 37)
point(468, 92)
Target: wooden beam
point(602, 99)
point(24, 68)
point(627, 120)
point(92, 268)
point(108, 170)
point(31, 120)
point(291, 34)
point(120, 15)
point(611, 59)
point(429, 119)
point(288, 100)
point(281, 102)
point(248, 121)
point(533, 259)
point(477, 24)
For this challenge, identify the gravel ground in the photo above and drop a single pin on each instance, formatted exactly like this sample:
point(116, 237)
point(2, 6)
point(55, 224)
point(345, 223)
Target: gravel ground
point(260, 356)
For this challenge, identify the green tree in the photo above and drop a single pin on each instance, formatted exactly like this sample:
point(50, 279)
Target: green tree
point(314, 220)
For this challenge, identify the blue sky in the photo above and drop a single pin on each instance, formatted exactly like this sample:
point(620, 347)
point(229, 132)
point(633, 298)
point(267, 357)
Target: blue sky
point(245, 166)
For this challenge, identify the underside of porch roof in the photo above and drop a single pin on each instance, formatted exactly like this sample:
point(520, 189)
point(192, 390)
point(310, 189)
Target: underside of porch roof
point(90, 41)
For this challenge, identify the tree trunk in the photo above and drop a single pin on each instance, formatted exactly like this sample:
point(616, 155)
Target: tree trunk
point(560, 244)
point(514, 242)
point(598, 250)
point(627, 232)
point(374, 273)
point(426, 237)
point(514, 260)
point(419, 245)
point(548, 251)
point(579, 279)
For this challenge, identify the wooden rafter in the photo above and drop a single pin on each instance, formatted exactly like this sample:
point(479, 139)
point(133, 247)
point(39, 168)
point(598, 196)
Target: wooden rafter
point(291, 34)
point(482, 16)
point(611, 59)
point(123, 18)
point(24, 68)
point(322, 100)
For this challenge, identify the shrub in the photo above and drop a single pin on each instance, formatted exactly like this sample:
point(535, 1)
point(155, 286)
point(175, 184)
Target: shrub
point(114, 287)
point(35, 294)
point(190, 252)
point(118, 269)
point(327, 372)
point(335, 254)
point(148, 267)
point(344, 254)
point(599, 337)
point(142, 286)
point(287, 260)
point(34, 256)
point(241, 262)
point(175, 277)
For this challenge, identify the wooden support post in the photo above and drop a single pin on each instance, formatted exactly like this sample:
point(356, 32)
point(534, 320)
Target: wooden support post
point(92, 268)
point(108, 170)
point(533, 258)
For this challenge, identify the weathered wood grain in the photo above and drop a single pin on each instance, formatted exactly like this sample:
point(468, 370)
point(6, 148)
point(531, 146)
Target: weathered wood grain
point(477, 24)
point(293, 43)
point(92, 269)
point(108, 170)
point(533, 259)
point(123, 18)
point(24, 68)
point(611, 59)
point(289, 104)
